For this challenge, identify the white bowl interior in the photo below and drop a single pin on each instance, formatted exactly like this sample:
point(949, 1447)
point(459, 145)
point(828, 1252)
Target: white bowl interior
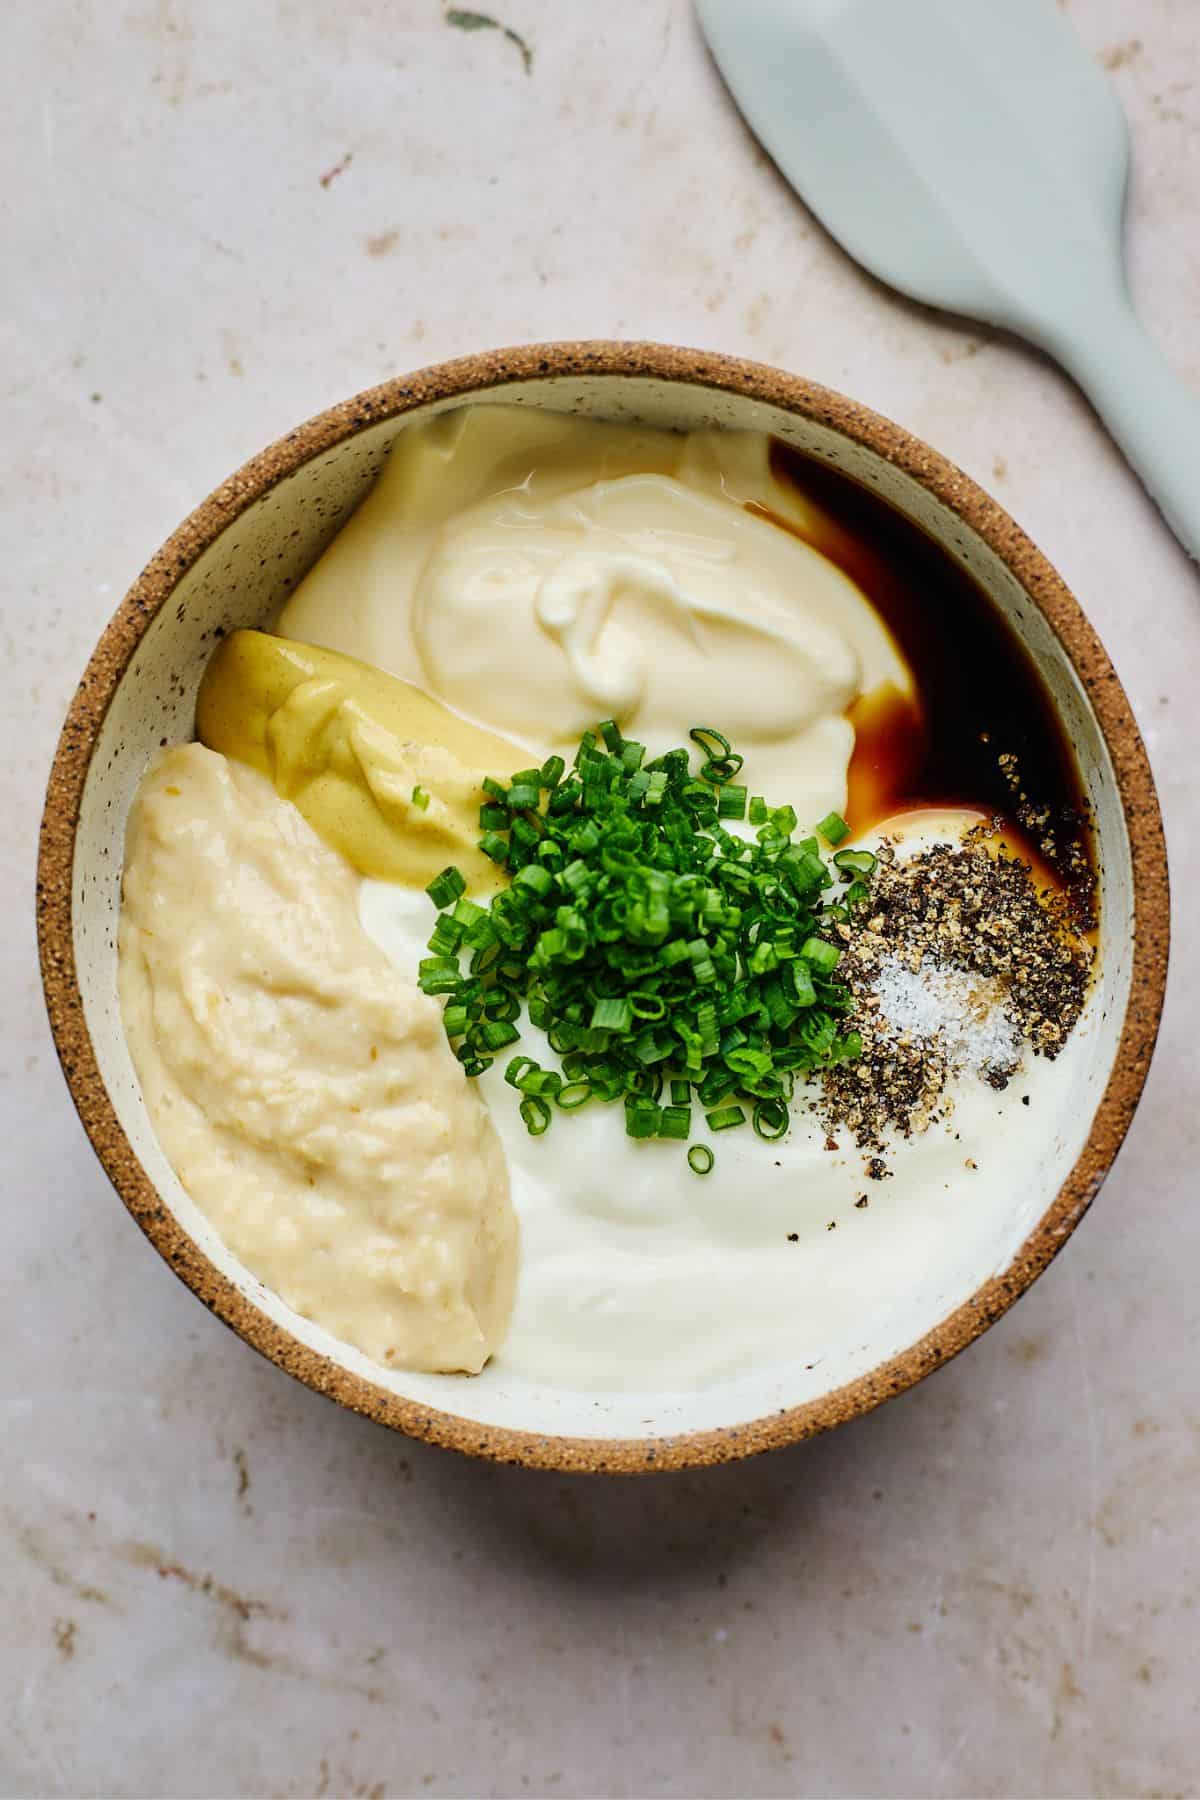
point(242, 580)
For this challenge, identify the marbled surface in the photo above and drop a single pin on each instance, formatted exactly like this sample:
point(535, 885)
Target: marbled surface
point(217, 218)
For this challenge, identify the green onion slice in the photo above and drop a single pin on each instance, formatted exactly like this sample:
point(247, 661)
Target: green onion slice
point(833, 828)
point(770, 1120)
point(535, 1114)
point(675, 1122)
point(860, 861)
point(445, 888)
point(725, 1118)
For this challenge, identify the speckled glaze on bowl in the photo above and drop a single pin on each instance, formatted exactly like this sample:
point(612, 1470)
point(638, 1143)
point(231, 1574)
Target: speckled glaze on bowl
point(234, 561)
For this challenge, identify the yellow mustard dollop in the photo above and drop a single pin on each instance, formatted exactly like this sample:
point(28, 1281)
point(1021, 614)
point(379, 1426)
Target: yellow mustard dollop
point(355, 750)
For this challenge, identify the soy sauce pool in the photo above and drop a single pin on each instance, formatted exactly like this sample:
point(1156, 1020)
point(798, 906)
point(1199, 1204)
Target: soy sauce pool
point(982, 732)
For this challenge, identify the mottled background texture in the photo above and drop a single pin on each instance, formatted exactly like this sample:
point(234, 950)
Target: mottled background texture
point(218, 217)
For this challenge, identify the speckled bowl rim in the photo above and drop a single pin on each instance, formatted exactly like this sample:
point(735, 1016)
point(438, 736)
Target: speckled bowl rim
point(459, 379)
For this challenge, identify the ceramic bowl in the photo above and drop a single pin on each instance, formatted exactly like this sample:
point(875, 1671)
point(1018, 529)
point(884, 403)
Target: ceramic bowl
point(233, 562)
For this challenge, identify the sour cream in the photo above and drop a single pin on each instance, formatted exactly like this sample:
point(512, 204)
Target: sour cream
point(538, 573)
point(639, 1276)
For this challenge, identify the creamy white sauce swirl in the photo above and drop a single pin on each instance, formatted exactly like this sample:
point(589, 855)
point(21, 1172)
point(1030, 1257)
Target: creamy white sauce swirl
point(561, 570)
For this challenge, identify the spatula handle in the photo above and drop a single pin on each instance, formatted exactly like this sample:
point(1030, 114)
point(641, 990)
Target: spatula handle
point(1149, 411)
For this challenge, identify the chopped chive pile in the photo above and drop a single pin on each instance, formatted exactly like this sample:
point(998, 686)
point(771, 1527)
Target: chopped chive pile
point(659, 952)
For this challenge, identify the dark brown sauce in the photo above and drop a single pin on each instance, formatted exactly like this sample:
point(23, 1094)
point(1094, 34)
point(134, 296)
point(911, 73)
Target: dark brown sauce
point(979, 695)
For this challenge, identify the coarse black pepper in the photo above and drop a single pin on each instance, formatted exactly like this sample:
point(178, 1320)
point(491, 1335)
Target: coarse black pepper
point(970, 908)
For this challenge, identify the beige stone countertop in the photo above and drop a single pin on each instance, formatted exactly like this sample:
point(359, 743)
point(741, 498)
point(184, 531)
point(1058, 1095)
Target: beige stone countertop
point(218, 218)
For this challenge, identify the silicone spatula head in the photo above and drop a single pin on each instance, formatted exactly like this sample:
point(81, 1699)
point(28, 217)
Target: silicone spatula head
point(968, 154)
point(971, 155)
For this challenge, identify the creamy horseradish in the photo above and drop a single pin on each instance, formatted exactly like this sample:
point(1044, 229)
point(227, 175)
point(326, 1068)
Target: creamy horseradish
point(304, 1091)
point(513, 578)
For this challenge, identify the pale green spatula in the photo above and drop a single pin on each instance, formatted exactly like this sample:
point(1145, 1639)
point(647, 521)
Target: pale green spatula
point(969, 153)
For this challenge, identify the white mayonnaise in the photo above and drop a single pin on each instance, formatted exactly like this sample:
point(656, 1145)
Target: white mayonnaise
point(638, 1275)
point(538, 573)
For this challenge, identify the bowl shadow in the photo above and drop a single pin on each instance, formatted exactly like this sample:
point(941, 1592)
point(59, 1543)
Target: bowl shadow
point(592, 1531)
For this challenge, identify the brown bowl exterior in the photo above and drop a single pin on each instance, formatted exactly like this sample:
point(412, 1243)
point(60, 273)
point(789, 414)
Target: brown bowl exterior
point(460, 380)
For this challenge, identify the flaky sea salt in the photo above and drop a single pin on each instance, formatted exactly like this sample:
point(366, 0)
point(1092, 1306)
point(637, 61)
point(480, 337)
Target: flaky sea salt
point(963, 1015)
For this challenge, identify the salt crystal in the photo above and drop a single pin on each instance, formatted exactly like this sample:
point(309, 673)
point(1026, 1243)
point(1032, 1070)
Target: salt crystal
point(964, 1015)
